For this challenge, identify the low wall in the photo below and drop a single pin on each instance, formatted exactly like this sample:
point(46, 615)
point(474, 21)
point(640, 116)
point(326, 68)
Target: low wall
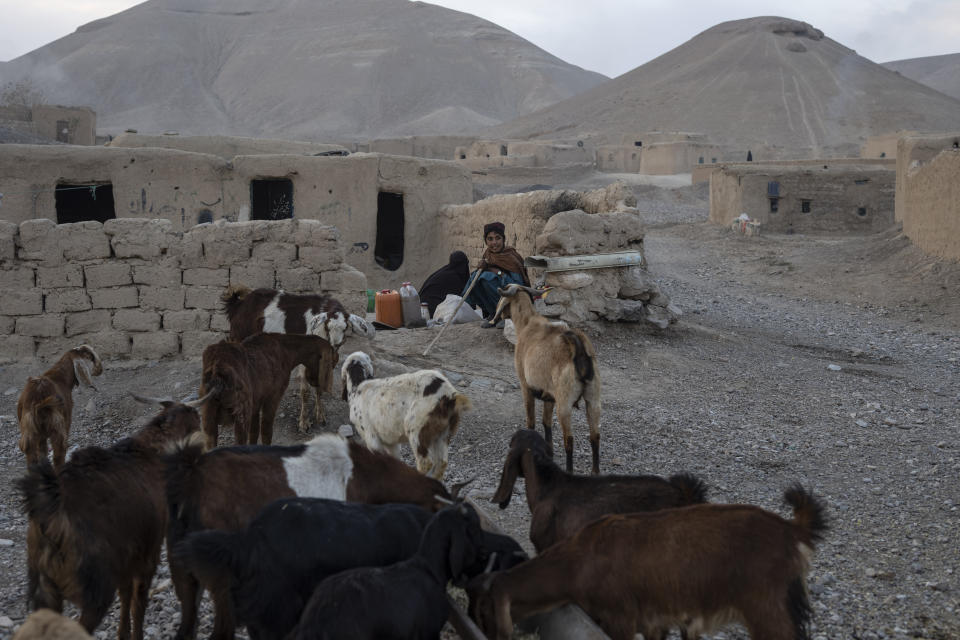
point(136, 289)
point(932, 221)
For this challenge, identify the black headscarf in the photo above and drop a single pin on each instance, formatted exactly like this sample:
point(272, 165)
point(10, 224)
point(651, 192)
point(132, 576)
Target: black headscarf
point(449, 279)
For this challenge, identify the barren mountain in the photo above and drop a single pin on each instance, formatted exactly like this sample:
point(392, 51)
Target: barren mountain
point(940, 72)
point(770, 83)
point(318, 69)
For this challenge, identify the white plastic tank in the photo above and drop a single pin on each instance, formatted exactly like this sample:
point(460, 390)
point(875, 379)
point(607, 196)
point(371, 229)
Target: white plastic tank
point(410, 303)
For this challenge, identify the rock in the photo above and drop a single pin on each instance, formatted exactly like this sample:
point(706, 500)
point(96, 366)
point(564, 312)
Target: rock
point(834, 367)
point(4, 542)
point(346, 430)
point(569, 279)
point(6, 622)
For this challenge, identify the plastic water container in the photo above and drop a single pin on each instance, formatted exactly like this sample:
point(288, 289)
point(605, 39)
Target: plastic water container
point(410, 303)
point(388, 309)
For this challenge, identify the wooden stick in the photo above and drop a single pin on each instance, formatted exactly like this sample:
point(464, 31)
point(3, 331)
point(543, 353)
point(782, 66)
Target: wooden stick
point(459, 304)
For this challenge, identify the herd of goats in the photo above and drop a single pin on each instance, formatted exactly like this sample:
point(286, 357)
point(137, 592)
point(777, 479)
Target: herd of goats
point(339, 538)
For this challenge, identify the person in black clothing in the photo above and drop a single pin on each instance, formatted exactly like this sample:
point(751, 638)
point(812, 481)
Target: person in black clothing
point(449, 279)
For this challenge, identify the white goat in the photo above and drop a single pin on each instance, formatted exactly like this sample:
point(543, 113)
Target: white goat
point(421, 408)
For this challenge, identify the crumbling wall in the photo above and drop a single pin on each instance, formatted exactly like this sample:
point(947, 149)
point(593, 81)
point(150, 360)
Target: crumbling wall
point(932, 220)
point(137, 289)
point(559, 223)
point(912, 153)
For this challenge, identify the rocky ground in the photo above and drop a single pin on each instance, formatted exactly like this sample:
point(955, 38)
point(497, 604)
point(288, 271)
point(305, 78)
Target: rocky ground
point(829, 361)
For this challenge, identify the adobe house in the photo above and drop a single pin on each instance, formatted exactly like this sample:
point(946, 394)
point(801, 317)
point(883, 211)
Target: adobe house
point(383, 206)
point(884, 145)
point(436, 147)
point(225, 146)
point(657, 153)
point(927, 200)
point(484, 154)
point(69, 125)
point(804, 197)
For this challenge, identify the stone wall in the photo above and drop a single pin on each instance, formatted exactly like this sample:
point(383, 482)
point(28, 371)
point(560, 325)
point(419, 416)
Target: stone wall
point(932, 220)
point(138, 289)
point(560, 223)
point(912, 153)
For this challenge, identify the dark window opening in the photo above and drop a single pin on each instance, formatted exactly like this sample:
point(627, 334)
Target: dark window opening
point(804, 206)
point(503, 149)
point(861, 181)
point(63, 131)
point(638, 143)
point(713, 160)
point(883, 154)
point(774, 204)
point(773, 189)
point(204, 216)
point(463, 156)
point(749, 156)
point(862, 211)
point(956, 145)
point(388, 251)
point(82, 202)
point(271, 199)
point(700, 161)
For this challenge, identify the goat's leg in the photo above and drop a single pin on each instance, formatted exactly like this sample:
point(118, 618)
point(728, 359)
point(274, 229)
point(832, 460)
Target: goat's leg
point(303, 423)
point(210, 413)
point(321, 416)
point(547, 421)
point(529, 406)
point(188, 593)
point(564, 418)
point(224, 624)
point(593, 420)
point(95, 607)
point(138, 608)
point(58, 441)
point(267, 414)
point(126, 595)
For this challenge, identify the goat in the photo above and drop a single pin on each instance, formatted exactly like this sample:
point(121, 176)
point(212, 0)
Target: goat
point(96, 525)
point(248, 379)
point(274, 563)
point(562, 503)
point(225, 488)
point(421, 408)
point(698, 567)
point(404, 600)
point(45, 406)
point(272, 311)
point(555, 364)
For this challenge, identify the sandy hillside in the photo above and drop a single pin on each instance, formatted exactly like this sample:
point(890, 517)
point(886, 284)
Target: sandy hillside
point(939, 72)
point(759, 82)
point(318, 70)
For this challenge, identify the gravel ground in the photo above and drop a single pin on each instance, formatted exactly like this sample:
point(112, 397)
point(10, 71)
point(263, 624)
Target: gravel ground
point(822, 360)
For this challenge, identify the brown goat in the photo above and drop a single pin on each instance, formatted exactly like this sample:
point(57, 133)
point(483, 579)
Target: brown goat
point(699, 567)
point(225, 488)
point(555, 364)
point(272, 311)
point(562, 503)
point(45, 406)
point(248, 379)
point(96, 526)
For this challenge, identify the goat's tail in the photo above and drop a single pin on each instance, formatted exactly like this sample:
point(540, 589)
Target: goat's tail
point(41, 495)
point(583, 354)
point(180, 464)
point(461, 403)
point(211, 555)
point(692, 489)
point(809, 512)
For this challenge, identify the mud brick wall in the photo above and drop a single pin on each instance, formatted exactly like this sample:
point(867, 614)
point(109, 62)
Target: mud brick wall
point(136, 289)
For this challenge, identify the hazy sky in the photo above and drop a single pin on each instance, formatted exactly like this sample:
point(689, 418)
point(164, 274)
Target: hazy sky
point(609, 36)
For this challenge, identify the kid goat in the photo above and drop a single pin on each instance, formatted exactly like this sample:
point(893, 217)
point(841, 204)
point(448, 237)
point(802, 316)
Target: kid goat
point(96, 525)
point(272, 311)
point(247, 381)
point(699, 568)
point(45, 406)
point(555, 364)
point(421, 408)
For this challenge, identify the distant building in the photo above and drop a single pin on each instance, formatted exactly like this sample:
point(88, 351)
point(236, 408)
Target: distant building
point(805, 196)
point(53, 123)
point(657, 153)
point(883, 146)
point(927, 202)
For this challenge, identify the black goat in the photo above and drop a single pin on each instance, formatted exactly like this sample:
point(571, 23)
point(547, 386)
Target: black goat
point(404, 600)
point(562, 503)
point(274, 564)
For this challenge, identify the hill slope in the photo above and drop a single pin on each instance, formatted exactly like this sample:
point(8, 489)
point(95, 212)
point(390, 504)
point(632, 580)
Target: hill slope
point(769, 83)
point(288, 68)
point(939, 72)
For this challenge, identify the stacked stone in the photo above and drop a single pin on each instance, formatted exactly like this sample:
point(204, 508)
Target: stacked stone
point(134, 288)
point(625, 294)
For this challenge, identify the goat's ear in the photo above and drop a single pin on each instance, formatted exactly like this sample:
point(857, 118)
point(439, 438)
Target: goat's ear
point(343, 383)
point(81, 369)
point(360, 326)
point(542, 293)
point(163, 402)
point(508, 478)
